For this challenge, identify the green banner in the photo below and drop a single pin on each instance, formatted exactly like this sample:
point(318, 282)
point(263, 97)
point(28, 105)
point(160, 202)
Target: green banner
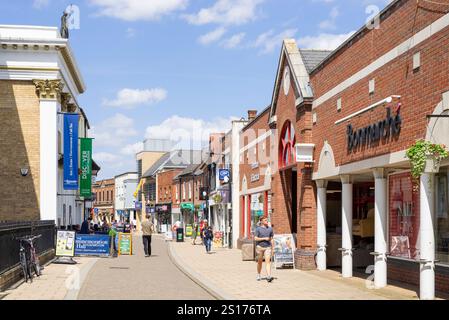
point(86, 167)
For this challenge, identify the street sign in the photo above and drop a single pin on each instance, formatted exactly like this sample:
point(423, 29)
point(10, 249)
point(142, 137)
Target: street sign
point(125, 244)
point(224, 175)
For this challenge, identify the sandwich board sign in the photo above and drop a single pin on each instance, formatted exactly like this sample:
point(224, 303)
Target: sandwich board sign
point(125, 244)
point(284, 250)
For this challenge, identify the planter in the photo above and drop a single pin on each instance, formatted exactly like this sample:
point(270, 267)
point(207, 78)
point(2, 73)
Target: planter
point(432, 165)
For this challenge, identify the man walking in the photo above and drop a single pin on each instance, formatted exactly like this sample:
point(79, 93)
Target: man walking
point(264, 247)
point(147, 231)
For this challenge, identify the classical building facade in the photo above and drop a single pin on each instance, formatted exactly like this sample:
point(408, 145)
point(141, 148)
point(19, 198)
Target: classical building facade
point(39, 80)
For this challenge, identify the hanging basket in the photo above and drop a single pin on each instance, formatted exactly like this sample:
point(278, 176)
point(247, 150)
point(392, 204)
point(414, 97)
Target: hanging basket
point(425, 157)
point(432, 165)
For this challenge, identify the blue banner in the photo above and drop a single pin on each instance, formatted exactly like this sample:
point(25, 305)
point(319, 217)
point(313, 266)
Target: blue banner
point(71, 151)
point(92, 245)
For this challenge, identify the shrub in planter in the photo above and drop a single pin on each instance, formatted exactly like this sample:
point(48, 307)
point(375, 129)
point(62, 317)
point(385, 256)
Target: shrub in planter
point(425, 156)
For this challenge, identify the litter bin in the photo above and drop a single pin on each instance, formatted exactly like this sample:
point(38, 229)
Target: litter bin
point(248, 250)
point(180, 235)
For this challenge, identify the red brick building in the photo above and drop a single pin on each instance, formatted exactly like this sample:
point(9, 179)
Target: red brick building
point(104, 192)
point(343, 122)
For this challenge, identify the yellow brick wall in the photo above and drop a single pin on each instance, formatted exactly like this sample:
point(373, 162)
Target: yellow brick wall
point(19, 147)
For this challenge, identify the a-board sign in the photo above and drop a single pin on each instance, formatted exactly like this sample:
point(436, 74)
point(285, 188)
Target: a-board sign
point(65, 243)
point(284, 250)
point(189, 230)
point(92, 245)
point(125, 244)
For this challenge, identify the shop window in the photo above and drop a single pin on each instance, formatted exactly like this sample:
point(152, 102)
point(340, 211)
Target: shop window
point(441, 214)
point(257, 210)
point(404, 216)
point(287, 145)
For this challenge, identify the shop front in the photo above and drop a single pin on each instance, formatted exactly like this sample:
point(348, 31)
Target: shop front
point(163, 216)
point(188, 217)
point(221, 218)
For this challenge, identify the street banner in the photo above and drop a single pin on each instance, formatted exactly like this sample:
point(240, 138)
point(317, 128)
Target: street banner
point(125, 244)
point(65, 243)
point(86, 168)
point(284, 249)
point(92, 245)
point(71, 151)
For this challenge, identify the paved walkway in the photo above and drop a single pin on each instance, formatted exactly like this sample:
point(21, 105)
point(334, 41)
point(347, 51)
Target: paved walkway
point(57, 282)
point(137, 277)
point(229, 277)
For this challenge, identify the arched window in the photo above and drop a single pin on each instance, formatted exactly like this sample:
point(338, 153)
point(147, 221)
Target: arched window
point(287, 145)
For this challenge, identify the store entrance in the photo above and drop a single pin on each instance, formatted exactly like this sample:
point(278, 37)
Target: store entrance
point(362, 225)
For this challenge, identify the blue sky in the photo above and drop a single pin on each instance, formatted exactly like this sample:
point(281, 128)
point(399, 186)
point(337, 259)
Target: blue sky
point(166, 68)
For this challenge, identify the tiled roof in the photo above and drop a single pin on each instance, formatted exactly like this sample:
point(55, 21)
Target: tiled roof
point(312, 58)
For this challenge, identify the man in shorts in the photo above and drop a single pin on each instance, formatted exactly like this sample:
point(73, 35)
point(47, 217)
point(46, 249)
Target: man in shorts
point(264, 247)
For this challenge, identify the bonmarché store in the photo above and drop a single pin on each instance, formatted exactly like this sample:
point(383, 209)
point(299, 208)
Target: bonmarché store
point(377, 96)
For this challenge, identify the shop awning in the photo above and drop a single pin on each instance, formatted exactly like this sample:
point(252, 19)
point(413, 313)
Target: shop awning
point(187, 206)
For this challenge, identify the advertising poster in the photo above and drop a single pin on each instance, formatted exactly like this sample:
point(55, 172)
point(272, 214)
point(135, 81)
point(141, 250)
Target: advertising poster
point(71, 151)
point(65, 244)
point(86, 168)
point(189, 230)
point(284, 249)
point(400, 247)
point(125, 244)
point(92, 245)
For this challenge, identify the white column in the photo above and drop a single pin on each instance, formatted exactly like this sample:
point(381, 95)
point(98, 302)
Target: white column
point(48, 175)
point(380, 228)
point(427, 238)
point(321, 224)
point(346, 226)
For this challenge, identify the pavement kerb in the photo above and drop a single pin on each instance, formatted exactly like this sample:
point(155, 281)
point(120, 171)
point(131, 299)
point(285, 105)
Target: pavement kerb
point(216, 292)
point(84, 272)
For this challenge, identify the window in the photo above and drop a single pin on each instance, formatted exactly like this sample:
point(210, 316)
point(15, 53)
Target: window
point(442, 216)
point(404, 216)
point(287, 145)
point(64, 209)
point(190, 190)
point(177, 194)
point(183, 190)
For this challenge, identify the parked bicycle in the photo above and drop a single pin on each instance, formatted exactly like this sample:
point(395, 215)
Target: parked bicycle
point(29, 259)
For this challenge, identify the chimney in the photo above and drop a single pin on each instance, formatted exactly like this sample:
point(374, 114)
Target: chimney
point(252, 114)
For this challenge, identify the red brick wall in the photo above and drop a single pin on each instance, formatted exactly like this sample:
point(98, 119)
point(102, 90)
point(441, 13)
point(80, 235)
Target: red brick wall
point(165, 183)
point(420, 90)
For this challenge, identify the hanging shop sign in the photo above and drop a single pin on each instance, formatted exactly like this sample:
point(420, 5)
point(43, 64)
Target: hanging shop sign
point(92, 245)
point(71, 151)
point(284, 248)
point(65, 244)
point(370, 135)
point(86, 167)
point(224, 175)
point(138, 205)
point(187, 206)
point(125, 244)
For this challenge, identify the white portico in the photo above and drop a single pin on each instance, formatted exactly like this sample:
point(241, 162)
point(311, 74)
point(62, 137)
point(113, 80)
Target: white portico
point(40, 57)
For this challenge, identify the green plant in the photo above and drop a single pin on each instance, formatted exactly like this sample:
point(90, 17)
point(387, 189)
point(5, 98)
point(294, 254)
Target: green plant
point(423, 150)
point(217, 198)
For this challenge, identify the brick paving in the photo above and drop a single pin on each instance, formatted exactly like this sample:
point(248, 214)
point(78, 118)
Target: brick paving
point(55, 283)
point(139, 278)
point(225, 271)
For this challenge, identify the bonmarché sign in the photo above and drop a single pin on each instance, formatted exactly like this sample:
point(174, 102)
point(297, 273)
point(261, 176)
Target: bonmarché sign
point(384, 129)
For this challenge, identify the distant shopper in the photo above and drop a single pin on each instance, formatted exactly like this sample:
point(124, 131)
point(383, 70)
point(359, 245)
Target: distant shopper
point(208, 236)
point(203, 226)
point(147, 231)
point(113, 234)
point(264, 247)
point(85, 227)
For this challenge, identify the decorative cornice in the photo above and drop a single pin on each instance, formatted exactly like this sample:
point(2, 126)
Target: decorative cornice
point(49, 89)
point(65, 101)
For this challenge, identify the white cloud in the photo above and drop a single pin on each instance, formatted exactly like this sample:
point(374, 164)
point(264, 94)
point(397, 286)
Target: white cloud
point(129, 98)
point(323, 41)
point(188, 132)
point(226, 12)
point(132, 149)
point(105, 157)
point(113, 131)
point(330, 23)
point(38, 4)
point(133, 10)
point(233, 41)
point(269, 41)
point(212, 36)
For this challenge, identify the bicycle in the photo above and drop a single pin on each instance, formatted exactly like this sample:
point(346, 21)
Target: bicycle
point(29, 260)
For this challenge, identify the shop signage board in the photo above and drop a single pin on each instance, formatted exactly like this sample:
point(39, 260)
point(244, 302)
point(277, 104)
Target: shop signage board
point(304, 152)
point(86, 167)
point(92, 245)
point(125, 244)
point(71, 151)
point(255, 177)
point(284, 249)
point(372, 134)
point(189, 230)
point(65, 243)
point(224, 175)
